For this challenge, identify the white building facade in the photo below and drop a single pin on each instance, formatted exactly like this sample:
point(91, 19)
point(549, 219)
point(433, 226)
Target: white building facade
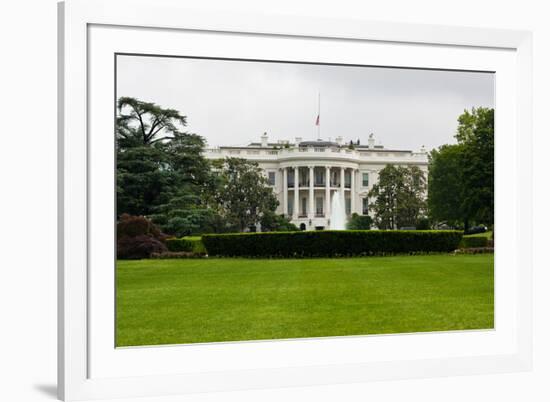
point(306, 175)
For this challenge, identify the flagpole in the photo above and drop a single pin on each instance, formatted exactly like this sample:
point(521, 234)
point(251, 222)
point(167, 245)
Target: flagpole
point(319, 117)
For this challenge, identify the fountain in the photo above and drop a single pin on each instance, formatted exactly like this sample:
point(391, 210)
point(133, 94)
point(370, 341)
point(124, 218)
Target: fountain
point(338, 212)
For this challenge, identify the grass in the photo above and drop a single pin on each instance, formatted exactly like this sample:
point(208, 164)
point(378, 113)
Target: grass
point(210, 300)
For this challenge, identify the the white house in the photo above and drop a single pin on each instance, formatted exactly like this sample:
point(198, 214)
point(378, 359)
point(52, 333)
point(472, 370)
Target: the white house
point(305, 175)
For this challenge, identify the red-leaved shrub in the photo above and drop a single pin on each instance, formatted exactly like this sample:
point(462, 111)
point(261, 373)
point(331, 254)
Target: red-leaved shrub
point(142, 246)
point(130, 225)
point(138, 237)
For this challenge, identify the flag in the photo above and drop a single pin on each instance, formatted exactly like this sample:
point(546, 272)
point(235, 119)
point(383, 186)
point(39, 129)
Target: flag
point(317, 121)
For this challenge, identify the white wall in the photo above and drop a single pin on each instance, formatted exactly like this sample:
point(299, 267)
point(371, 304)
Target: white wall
point(28, 199)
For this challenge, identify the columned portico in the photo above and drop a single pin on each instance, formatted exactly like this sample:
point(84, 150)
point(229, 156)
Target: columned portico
point(313, 189)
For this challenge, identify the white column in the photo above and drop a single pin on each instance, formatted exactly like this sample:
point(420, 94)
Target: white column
point(296, 198)
point(285, 192)
point(342, 181)
point(311, 212)
point(352, 191)
point(327, 192)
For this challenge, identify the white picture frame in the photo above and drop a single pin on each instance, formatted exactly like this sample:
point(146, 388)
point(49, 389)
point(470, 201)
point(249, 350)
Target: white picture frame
point(84, 26)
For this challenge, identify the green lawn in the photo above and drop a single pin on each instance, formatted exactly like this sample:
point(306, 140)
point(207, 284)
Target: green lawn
point(210, 300)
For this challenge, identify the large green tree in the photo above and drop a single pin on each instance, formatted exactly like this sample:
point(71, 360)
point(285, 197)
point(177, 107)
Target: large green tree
point(445, 185)
point(476, 136)
point(144, 180)
point(242, 192)
point(145, 123)
point(399, 197)
point(161, 171)
point(461, 176)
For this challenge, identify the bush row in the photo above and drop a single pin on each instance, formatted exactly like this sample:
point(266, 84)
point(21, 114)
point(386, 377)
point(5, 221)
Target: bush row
point(475, 250)
point(474, 242)
point(330, 243)
point(176, 254)
point(186, 244)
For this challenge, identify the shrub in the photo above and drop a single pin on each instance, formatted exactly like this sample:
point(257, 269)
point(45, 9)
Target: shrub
point(136, 247)
point(131, 226)
point(475, 230)
point(423, 224)
point(186, 244)
point(359, 222)
point(179, 245)
point(474, 242)
point(138, 237)
point(271, 222)
point(330, 243)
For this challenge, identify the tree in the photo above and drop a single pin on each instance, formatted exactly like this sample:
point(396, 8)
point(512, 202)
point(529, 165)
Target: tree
point(411, 197)
point(143, 180)
point(385, 193)
point(399, 197)
point(475, 134)
point(272, 222)
point(243, 193)
point(185, 151)
point(359, 222)
point(183, 214)
point(145, 123)
point(461, 176)
point(445, 184)
point(161, 171)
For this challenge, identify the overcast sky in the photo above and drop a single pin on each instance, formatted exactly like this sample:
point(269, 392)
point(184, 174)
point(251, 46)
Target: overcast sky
point(234, 102)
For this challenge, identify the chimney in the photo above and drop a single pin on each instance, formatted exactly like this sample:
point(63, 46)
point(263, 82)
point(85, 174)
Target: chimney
point(339, 140)
point(264, 140)
point(423, 149)
point(298, 140)
point(371, 140)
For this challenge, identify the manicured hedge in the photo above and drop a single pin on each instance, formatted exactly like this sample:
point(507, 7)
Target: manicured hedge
point(474, 242)
point(328, 243)
point(187, 244)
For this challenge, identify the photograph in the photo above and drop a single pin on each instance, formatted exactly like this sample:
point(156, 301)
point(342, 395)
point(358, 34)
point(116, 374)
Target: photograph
point(268, 199)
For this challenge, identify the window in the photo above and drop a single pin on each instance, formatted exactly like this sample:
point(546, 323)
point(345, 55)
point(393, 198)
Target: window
point(365, 206)
point(319, 177)
point(347, 179)
point(304, 206)
point(290, 178)
point(303, 175)
point(334, 178)
point(271, 178)
point(348, 206)
point(365, 179)
point(290, 206)
point(319, 206)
